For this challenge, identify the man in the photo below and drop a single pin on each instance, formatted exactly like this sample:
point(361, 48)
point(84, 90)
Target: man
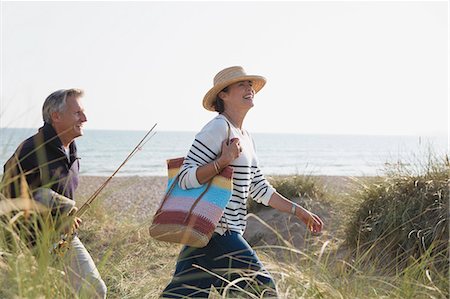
point(48, 161)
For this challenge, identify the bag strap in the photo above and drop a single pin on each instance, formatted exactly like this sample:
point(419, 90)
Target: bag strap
point(228, 132)
point(210, 181)
point(228, 143)
point(197, 201)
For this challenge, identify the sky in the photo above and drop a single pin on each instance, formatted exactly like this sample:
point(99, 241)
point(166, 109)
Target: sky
point(353, 67)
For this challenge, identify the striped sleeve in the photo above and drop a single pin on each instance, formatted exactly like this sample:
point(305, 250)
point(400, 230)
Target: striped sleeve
point(205, 148)
point(260, 189)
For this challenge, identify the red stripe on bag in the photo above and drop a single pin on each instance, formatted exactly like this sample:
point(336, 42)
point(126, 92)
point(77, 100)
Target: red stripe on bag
point(175, 163)
point(196, 222)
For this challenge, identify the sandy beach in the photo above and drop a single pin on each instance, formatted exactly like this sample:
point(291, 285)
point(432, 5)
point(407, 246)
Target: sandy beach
point(132, 197)
point(136, 198)
point(141, 195)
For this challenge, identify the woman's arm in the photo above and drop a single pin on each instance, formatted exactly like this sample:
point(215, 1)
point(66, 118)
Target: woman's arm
point(204, 154)
point(282, 204)
point(228, 154)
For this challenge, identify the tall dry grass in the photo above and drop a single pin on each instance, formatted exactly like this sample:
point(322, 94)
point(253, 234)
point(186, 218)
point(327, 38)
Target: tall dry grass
point(402, 225)
point(28, 268)
point(404, 216)
point(135, 266)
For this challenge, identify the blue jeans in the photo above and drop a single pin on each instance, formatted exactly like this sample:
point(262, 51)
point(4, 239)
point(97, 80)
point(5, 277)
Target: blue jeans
point(229, 257)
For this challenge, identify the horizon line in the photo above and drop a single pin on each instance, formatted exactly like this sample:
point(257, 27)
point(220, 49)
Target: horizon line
point(436, 134)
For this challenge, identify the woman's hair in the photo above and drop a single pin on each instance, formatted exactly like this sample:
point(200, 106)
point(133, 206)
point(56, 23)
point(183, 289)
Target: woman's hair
point(56, 102)
point(219, 105)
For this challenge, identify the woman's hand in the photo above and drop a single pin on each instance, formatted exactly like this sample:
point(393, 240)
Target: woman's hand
point(312, 221)
point(229, 152)
point(282, 204)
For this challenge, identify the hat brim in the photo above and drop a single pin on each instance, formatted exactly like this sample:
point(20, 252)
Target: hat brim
point(210, 97)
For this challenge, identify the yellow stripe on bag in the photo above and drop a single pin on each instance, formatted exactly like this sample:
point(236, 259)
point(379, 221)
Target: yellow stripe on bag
point(218, 180)
point(221, 182)
point(173, 172)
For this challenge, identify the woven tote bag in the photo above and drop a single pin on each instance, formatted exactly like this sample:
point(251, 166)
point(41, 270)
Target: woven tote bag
point(190, 216)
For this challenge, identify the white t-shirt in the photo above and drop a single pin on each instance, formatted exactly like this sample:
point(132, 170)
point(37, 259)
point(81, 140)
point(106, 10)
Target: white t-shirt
point(67, 150)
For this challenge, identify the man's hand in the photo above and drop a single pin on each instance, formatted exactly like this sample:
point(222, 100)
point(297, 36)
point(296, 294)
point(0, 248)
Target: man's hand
point(76, 221)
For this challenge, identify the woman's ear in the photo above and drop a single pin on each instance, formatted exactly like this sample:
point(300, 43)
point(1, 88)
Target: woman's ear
point(221, 94)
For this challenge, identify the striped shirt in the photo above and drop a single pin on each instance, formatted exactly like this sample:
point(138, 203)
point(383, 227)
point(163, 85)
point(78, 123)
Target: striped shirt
point(248, 180)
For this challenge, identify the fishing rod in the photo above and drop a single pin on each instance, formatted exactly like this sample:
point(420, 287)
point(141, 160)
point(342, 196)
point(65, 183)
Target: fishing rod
point(62, 245)
point(84, 207)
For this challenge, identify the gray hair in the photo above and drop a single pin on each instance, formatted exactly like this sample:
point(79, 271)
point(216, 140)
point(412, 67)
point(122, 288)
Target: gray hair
point(56, 102)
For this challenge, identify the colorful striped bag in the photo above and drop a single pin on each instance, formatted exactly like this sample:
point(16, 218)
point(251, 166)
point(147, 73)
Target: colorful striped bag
point(190, 216)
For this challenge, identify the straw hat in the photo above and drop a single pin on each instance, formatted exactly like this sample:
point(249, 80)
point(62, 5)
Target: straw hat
point(227, 77)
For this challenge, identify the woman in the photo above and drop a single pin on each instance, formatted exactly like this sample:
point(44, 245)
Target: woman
point(228, 257)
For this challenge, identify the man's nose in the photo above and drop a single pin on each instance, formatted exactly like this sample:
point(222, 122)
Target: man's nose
point(83, 117)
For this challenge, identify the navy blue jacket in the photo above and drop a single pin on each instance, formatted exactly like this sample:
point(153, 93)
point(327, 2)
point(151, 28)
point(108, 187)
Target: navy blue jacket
point(43, 161)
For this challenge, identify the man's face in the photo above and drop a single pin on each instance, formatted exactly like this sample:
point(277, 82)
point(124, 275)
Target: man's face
point(70, 121)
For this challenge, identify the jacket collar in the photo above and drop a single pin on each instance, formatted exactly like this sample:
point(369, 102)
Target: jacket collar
point(52, 140)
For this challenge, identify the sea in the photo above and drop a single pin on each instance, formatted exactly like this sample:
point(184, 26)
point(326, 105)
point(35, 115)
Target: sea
point(102, 151)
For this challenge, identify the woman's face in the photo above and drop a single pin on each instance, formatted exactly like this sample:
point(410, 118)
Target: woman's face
point(239, 95)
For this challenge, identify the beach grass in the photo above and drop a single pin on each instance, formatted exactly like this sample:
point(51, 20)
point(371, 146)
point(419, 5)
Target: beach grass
point(343, 262)
point(301, 188)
